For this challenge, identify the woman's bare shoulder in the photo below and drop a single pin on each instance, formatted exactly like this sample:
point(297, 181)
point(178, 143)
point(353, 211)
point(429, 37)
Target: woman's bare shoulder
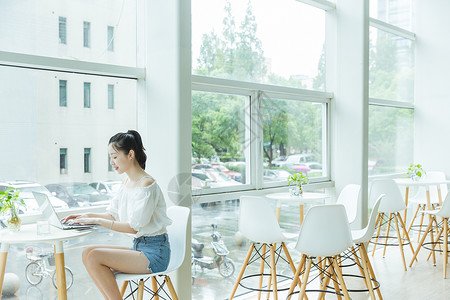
point(146, 181)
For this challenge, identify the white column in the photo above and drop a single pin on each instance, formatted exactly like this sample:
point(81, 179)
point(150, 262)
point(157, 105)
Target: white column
point(168, 107)
point(348, 40)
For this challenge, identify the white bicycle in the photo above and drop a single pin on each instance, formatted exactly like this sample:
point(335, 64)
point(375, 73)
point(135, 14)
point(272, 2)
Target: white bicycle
point(37, 268)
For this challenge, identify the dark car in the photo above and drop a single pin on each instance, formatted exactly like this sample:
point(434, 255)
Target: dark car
point(77, 194)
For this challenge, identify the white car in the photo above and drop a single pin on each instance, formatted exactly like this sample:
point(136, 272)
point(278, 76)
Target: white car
point(26, 189)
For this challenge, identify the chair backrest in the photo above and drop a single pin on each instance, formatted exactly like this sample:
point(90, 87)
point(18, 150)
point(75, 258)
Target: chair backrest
point(392, 201)
point(445, 209)
point(325, 231)
point(437, 176)
point(370, 228)
point(257, 220)
point(349, 197)
point(177, 232)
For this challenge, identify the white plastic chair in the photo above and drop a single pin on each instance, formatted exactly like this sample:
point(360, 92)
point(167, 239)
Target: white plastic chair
point(420, 198)
point(177, 239)
point(258, 223)
point(360, 237)
point(324, 233)
point(349, 197)
point(391, 204)
point(444, 213)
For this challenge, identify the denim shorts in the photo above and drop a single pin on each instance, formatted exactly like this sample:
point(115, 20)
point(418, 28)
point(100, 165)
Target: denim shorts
point(157, 250)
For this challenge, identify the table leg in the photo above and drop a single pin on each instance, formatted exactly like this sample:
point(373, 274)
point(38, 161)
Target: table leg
point(428, 199)
point(278, 211)
point(301, 214)
point(3, 256)
point(439, 196)
point(406, 202)
point(60, 271)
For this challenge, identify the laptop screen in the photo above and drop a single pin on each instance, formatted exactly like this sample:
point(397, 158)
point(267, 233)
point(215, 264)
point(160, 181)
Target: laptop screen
point(48, 212)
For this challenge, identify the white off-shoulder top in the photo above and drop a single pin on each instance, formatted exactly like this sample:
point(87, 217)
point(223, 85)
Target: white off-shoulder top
point(144, 208)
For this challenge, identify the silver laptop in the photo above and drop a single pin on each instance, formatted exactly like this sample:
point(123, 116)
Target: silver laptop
point(49, 213)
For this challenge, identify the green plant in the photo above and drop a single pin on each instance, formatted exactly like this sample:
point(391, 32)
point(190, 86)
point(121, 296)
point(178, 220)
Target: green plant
point(415, 170)
point(298, 179)
point(10, 199)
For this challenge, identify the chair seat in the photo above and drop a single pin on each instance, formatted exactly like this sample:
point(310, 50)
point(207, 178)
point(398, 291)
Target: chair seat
point(127, 276)
point(359, 236)
point(422, 201)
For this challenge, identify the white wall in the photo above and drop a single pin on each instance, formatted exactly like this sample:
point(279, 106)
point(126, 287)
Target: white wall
point(432, 92)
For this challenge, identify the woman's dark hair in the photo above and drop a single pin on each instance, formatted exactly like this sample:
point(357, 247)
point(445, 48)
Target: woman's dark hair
point(131, 140)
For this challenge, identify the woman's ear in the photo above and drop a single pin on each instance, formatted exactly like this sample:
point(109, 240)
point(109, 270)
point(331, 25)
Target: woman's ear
point(131, 154)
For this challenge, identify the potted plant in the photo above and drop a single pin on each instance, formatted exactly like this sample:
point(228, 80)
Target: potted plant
point(9, 202)
point(415, 171)
point(296, 182)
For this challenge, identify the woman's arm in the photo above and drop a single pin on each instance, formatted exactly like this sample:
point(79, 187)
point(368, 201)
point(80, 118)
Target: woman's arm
point(109, 223)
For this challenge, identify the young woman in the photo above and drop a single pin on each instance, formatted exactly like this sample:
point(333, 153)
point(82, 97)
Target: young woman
point(140, 209)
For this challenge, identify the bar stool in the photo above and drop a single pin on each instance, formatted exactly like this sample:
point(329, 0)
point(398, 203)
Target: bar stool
point(324, 233)
point(258, 223)
point(391, 204)
point(444, 213)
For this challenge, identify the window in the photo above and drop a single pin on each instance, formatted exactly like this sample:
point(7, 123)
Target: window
point(63, 160)
point(63, 93)
point(86, 34)
point(62, 30)
point(87, 94)
point(293, 138)
point(87, 160)
point(239, 40)
point(395, 12)
point(110, 39)
point(110, 96)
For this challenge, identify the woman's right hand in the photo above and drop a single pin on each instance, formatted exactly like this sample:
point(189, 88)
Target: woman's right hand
point(73, 218)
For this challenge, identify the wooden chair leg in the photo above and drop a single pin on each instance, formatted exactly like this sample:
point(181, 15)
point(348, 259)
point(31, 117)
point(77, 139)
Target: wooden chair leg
point(172, 292)
point(380, 220)
point(341, 280)
point(430, 219)
point(297, 275)
point(123, 288)
point(358, 263)
point(421, 223)
point(400, 242)
point(366, 274)
point(289, 259)
point(326, 279)
point(305, 278)
point(445, 250)
point(241, 273)
point(413, 218)
point(261, 269)
point(274, 271)
point(405, 233)
point(420, 244)
point(140, 293)
point(436, 240)
point(155, 287)
point(336, 282)
point(387, 234)
point(363, 252)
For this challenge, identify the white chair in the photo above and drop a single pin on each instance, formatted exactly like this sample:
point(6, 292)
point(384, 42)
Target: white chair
point(361, 237)
point(349, 197)
point(420, 199)
point(258, 223)
point(177, 239)
point(390, 206)
point(444, 213)
point(324, 233)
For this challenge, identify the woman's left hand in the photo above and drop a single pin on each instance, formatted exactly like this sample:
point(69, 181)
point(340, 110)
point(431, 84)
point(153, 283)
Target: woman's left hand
point(86, 221)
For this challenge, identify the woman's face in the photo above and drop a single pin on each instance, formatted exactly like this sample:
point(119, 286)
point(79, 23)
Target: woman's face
point(120, 161)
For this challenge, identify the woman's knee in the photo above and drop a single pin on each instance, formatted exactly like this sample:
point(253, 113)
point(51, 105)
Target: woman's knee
point(86, 252)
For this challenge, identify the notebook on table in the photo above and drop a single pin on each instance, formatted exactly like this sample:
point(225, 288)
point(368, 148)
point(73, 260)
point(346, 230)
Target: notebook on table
point(49, 213)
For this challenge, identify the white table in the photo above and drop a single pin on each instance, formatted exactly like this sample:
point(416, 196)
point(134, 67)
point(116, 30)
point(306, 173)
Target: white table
point(28, 234)
point(305, 198)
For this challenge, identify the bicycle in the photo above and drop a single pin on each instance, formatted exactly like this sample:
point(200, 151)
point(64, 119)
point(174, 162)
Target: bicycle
point(37, 268)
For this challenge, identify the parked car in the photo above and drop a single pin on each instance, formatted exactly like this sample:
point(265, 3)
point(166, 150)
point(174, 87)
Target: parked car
point(210, 179)
point(294, 159)
point(78, 194)
point(26, 189)
point(109, 188)
point(275, 175)
point(233, 174)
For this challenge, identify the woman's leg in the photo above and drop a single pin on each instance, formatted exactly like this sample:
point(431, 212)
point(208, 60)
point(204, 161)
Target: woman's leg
point(85, 254)
point(100, 261)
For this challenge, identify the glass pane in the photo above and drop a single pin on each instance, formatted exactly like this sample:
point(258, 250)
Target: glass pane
point(219, 140)
point(239, 40)
point(47, 142)
point(70, 29)
point(391, 67)
point(396, 12)
point(391, 137)
point(294, 139)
